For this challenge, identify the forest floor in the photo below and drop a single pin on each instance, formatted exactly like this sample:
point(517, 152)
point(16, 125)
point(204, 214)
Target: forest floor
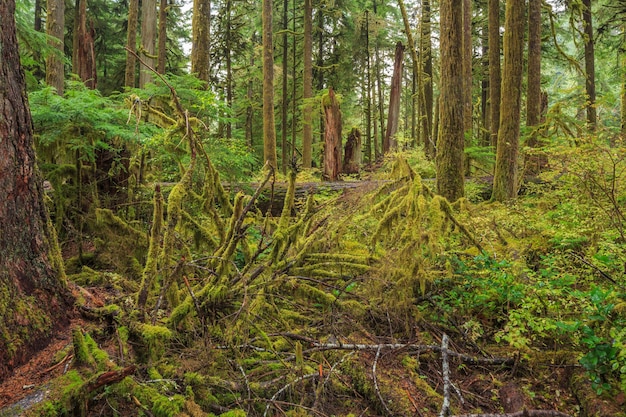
point(357, 352)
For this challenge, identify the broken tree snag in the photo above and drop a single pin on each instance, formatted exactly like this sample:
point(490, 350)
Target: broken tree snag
point(332, 136)
point(393, 117)
point(352, 156)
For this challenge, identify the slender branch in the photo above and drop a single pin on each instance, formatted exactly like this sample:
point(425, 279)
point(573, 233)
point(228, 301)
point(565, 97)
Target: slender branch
point(445, 369)
point(280, 391)
point(380, 397)
point(523, 413)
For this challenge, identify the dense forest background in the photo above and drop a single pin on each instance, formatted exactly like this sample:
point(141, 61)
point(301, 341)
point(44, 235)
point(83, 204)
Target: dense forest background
point(328, 208)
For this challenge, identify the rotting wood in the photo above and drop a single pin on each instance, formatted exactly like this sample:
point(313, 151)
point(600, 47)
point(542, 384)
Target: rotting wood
point(523, 413)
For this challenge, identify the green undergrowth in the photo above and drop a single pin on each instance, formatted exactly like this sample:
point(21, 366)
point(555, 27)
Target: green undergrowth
point(228, 310)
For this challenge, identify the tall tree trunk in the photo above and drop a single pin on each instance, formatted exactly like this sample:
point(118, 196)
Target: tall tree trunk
point(55, 25)
point(449, 161)
point(379, 89)
point(393, 116)
point(307, 81)
point(284, 93)
point(332, 136)
point(415, 61)
point(427, 82)
point(131, 43)
point(368, 95)
point(37, 21)
point(34, 299)
point(484, 85)
point(229, 66)
point(467, 71)
point(495, 78)
point(269, 134)
point(320, 64)
point(162, 45)
point(590, 70)
point(505, 176)
point(533, 163)
point(148, 40)
point(84, 50)
point(200, 33)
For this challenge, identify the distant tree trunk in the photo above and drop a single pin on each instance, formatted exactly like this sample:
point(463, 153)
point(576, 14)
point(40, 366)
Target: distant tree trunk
point(505, 176)
point(320, 64)
point(250, 109)
point(55, 25)
point(368, 95)
point(534, 163)
point(284, 94)
point(494, 69)
point(467, 73)
point(34, 300)
point(449, 161)
point(436, 117)
point(484, 85)
point(393, 116)
point(427, 83)
point(352, 156)
point(162, 45)
point(590, 70)
point(131, 43)
point(416, 73)
point(148, 40)
point(379, 89)
point(307, 92)
point(332, 136)
point(200, 33)
point(269, 134)
point(85, 51)
point(229, 65)
point(38, 21)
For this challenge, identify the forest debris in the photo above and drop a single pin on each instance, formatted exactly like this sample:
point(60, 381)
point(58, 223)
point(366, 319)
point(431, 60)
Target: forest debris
point(523, 413)
point(472, 360)
point(110, 377)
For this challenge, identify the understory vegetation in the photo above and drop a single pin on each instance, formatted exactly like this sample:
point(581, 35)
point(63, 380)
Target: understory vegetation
point(208, 298)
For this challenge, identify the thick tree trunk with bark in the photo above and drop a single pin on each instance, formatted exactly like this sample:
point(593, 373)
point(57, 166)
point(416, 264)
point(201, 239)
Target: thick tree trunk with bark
point(332, 136)
point(352, 156)
point(393, 116)
point(494, 69)
point(162, 45)
point(449, 161)
point(85, 64)
point(467, 70)
point(505, 176)
point(200, 33)
point(32, 296)
point(148, 40)
point(131, 43)
point(55, 25)
point(534, 99)
point(428, 139)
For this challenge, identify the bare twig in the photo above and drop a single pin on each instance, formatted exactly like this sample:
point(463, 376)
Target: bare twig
point(445, 368)
point(280, 391)
point(380, 397)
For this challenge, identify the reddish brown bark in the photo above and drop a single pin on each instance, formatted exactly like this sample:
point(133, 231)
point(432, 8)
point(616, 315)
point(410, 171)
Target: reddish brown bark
point(393, 116)
point(332, 136)
point(31, 300)
point(86, 55)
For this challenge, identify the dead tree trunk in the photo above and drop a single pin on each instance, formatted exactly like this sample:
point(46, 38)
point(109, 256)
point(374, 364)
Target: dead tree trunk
point(393, 116)
point(332, 136)
point(352, 156)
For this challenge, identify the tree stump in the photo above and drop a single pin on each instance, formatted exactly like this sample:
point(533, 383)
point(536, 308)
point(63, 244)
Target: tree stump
point(352, 156)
